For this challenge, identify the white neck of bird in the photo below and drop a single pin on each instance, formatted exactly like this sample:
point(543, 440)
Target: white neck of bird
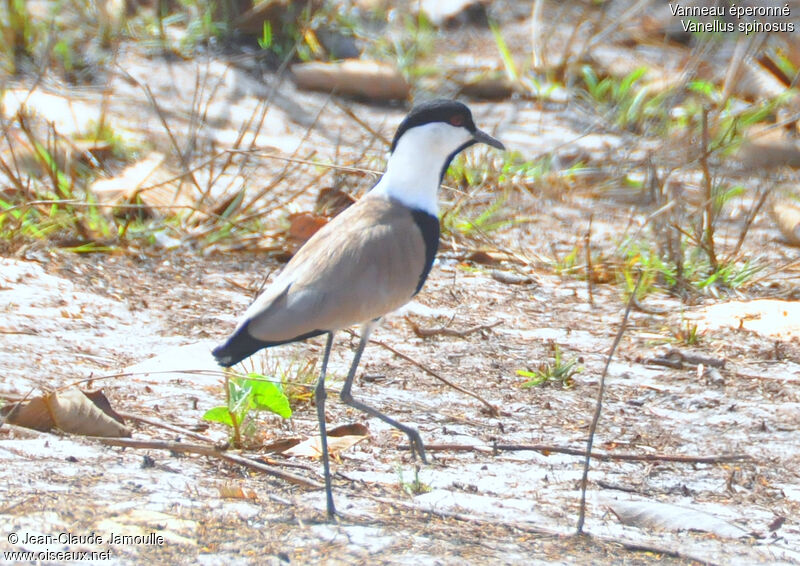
point(413, 173)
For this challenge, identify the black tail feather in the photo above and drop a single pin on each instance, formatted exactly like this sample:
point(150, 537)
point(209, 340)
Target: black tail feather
point(241, 345)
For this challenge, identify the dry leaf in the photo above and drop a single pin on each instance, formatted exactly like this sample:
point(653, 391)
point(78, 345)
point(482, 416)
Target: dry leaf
point(303, 225)
point(230, 491)
point(71, 411)
point(339, 439)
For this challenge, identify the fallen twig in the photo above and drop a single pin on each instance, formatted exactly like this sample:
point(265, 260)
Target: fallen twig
point(676, 359)
point(444, 331)
point(648, 310)
point(599, 404)
point(550, 449)
point(166, 426)
point(492, 409)
point(511, 278)
point(209, 451)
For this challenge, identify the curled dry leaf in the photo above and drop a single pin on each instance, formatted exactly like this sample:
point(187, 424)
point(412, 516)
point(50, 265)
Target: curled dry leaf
point(72, 411)
point(339, 439)
point(232, 491)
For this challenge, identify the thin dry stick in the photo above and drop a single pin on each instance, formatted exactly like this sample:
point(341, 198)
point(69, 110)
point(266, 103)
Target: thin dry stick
point(708, 233)
point(748, 223)
point(599, 405)
point(346, 168)
point(209, 451)
point(263, 109)
point(492, 409)
point(445, 331)
point(375, 134)
point(606, 456)
point(187, 170)
point(165, 426)
point(285, 171)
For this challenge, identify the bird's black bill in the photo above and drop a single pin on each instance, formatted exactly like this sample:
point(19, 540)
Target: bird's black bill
point(482, 137)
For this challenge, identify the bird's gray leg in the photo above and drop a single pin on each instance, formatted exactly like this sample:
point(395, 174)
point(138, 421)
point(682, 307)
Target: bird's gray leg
point(319, 400)
point(347, 398)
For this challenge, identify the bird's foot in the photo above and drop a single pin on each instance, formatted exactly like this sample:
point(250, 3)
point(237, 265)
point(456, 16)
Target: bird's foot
point(417, 447)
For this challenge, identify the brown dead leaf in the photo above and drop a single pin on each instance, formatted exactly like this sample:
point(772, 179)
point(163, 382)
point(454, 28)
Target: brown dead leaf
point(482, 257)
point(331, 201)
point(231, 491)
point(339, 439)
point(353, 429)
point(368, 79)
point(31, 414)
point(71, 411)
point(281, 445)
point(303, 225)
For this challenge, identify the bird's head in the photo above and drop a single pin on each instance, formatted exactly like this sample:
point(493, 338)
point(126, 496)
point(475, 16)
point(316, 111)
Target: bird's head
point(442, 126)
point(427, 140)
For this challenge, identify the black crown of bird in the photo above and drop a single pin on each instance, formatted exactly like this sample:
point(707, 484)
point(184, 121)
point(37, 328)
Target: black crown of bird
point(368, 261)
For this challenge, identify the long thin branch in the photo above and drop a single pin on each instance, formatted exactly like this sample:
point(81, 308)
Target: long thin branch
point(599, 405)
point(493, 410)
point(209, 451)
point(605, 456)
point(445, 331)
point(166, 426)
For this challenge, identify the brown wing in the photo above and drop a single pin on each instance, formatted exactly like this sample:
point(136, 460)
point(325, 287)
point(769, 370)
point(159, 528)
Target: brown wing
point(363, 264)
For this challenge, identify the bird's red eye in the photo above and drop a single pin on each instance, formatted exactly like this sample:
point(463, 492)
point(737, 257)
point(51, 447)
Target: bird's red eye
point(457, 120)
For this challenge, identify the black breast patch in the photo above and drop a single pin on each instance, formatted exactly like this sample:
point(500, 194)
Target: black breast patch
point(429, 227)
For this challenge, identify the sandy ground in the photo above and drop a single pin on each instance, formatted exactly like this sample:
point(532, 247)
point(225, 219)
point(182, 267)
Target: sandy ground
point(702, 462)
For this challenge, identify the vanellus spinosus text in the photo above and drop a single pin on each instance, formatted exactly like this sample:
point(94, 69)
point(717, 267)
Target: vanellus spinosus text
point(369, 260)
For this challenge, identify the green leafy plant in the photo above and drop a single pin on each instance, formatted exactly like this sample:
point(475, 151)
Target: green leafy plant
point(628, 103)
point(265, 41)
point(558, 371)
point(243, 397)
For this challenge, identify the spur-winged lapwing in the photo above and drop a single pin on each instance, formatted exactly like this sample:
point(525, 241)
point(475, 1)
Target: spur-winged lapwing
point(368, 261)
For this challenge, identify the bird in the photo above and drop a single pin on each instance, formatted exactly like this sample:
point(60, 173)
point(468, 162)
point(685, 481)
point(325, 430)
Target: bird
point(368, 261)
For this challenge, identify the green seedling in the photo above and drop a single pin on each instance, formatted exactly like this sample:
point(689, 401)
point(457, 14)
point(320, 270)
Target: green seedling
point(243, 397)
point(559, 371)
point(688, 333)
point(413, 487)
